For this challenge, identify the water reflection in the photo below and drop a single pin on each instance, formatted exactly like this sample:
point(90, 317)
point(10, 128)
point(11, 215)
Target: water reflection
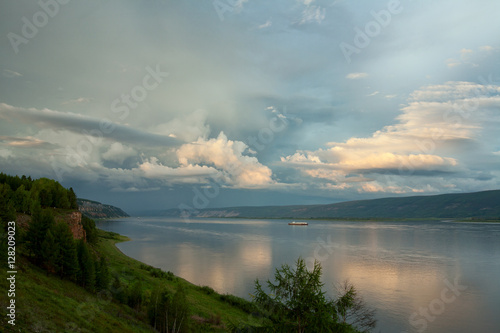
point(401, 269)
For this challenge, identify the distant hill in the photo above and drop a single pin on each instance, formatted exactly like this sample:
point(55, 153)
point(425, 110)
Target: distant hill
point(97, 210)
point(477, 205)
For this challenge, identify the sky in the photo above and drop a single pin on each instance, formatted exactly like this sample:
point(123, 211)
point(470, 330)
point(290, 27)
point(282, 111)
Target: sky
point(156, 104)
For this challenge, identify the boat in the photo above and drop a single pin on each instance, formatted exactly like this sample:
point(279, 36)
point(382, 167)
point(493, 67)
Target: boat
point(298, 223)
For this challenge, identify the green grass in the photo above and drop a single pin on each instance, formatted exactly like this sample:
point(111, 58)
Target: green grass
point(46, 303)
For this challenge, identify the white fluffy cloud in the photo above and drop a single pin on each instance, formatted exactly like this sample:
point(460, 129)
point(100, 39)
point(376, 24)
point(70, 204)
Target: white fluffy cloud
point(228, 156)
point(424, 141)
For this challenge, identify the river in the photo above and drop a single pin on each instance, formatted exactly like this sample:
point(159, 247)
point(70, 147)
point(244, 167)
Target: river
point(425, 276)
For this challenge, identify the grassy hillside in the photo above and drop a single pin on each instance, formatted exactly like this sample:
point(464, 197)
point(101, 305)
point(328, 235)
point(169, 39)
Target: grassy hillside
point(47, 303)
point(479, 205)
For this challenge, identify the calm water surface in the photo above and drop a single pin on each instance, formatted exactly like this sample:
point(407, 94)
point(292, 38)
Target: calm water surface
point(420, 276)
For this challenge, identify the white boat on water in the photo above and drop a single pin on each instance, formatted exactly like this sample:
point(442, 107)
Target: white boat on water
point(298, 223)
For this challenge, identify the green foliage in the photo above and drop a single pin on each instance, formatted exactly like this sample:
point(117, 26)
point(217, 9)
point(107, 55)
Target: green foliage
point(297, 303)
point(7, 210)
point(72, 199)
point(24, 190)
point(351, 309)
point(41, 222)
point(90, 229)
point(169, 313)
point(134, 294)
point(86, 275)
point(68, 260)
point(102, 276)
point(50, 252)
point(21, 199)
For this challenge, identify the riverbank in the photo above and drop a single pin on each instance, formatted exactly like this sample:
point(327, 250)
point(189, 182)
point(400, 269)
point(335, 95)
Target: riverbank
point(46, 303)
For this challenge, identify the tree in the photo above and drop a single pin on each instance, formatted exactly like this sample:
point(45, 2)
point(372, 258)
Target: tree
point(297, 302)
point(169, 313)
point(102, 277)
point(50, 252)
point(21, 199)
point(90, 229)
point(41, 221)
point(72, 199)
point(68, 260)
point(351, 308)
point(7, 210)
point(86, 274)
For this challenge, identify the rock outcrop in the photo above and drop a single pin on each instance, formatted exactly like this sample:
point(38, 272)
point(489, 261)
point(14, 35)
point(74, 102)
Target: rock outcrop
point(74, 220)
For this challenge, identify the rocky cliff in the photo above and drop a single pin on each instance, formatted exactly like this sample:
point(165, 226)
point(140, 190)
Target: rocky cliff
point(72, 218)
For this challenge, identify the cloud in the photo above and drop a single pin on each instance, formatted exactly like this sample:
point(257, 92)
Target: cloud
point(355, 76)
point(79, 124)
point(187, 128)
point(265, 25)
point(79, 100)
point(471, 57)
point(227, 156)
point(118, 153)
point(5, 153)
point(26, 142)
point(11, 74)
point(373, 93)
point(154, 169)
point(437, 121)
point(312, 13)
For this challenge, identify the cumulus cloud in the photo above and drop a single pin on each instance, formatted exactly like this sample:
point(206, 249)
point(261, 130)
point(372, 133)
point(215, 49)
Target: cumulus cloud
point(228, 156)
point(118, 153)
point(437, 119)
point(154, 169)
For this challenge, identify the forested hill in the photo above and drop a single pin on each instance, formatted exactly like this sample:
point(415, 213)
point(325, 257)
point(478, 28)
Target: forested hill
point(97, 210)
point(480, 205)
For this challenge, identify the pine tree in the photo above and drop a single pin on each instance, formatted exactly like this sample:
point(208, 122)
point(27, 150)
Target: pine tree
point(86, 275)
point(50, 252)
point(68, 260)
point(41, 221)
point(21, 199)
point(102, 276)
point(7, 210)
point(72, 199)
